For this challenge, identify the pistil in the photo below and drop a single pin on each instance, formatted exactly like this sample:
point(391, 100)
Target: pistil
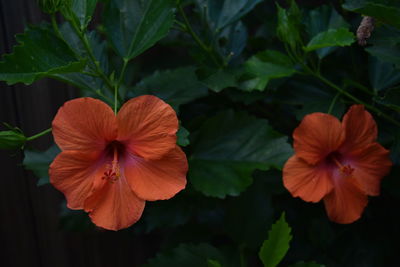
point(112, 173)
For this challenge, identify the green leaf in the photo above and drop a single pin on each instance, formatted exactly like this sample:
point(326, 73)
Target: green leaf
point(268, 65)
point(228, 148)
point(331, 37)
point(383, 10)
point(276, 246)
point(183, 136)
point(322, 19)
point(201, 255)
point(223, 13)
point(382, 75)
point(83, 11)
point(217, 79)
point(289, 25)
point(39, 162)
point(176, 87)
point(133, 26)
point(390, 54)
point(39, 53)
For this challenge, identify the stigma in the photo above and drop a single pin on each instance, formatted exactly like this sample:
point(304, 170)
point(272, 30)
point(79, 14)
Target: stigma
point(112, 173)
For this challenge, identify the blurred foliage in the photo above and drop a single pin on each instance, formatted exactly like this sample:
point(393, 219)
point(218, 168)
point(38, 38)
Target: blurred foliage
point(241, 74)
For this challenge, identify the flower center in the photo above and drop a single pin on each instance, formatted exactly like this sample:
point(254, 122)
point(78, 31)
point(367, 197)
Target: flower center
point(112, 173)
point(346, 170)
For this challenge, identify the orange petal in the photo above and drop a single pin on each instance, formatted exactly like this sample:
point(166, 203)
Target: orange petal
point(73, 173)
point(370, 165)
point(157, 179)
point(317, 135)
point(360, 128)
point(147, 125)
point(113, 206)
point(310, 183)
point(346, 202)
point(84, 124)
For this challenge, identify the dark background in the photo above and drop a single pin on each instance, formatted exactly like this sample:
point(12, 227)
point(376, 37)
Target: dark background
point(29, 215)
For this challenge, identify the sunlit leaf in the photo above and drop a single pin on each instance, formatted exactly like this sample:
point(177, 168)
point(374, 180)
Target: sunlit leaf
point(276, 246)
point(331, 37)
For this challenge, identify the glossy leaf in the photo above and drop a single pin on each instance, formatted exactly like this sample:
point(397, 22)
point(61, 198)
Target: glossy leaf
point(83, 11)
point(228, 148)
point(218, 79)
point(382, 75)
point(39, 161)
point(289, 24)
point(133, 26)
point(322, 19)
point(176, 87)
point(40, 53)
point(268, 65)
point(200, 255)
point(383, 10)
point(225, 12)
point(331, 37)
point(276, 246)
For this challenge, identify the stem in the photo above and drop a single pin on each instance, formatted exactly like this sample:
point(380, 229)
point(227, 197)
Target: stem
point(55, 26)
point(82, 36)
point(355, 99)
point(196, 38)
point(38, 135)
point(333, 102)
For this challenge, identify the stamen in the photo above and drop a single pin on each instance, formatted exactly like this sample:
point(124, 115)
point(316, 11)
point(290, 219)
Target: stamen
point(346, 169)
point(112, 173)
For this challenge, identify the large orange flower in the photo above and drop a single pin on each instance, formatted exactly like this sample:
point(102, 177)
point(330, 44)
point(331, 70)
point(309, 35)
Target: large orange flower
point(111, 164)
point(339, 162)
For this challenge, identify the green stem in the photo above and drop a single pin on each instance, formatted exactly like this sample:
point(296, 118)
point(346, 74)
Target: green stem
point(333, 102)
point(82, 36)
point(38, 135)
point(55, 26)
point(355, 99)
point(196, 38)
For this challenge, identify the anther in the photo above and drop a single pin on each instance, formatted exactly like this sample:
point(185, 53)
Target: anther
point(345, 169)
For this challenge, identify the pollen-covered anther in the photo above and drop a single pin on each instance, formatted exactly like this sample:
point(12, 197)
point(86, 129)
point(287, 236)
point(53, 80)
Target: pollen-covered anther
point(346, 170)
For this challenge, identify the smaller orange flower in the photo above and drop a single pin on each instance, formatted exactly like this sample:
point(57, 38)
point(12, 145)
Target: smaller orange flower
point(339, 162)
point(111, 164)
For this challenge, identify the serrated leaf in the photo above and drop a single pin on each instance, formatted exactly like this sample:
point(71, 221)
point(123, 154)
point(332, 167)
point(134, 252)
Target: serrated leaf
point(200, 255)
point(133, 26)
point(228, 148)
point(39, 161)
point(265, 66)
point(387, 12)
point(39, 53)
point(289, 24)
point(322, 19)
point(222, 13)
point(276, 246)
point(329, 38)
point(83, 11)
point(217, 79)
point(176, 87)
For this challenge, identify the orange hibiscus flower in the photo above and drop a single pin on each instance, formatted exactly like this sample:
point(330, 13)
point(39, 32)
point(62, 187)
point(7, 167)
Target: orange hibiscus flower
point(339, 162)
point(111, 164)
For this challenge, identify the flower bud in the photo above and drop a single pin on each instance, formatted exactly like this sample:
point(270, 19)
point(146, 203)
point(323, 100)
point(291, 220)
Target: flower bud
point(52, 6)
point(12, 139)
